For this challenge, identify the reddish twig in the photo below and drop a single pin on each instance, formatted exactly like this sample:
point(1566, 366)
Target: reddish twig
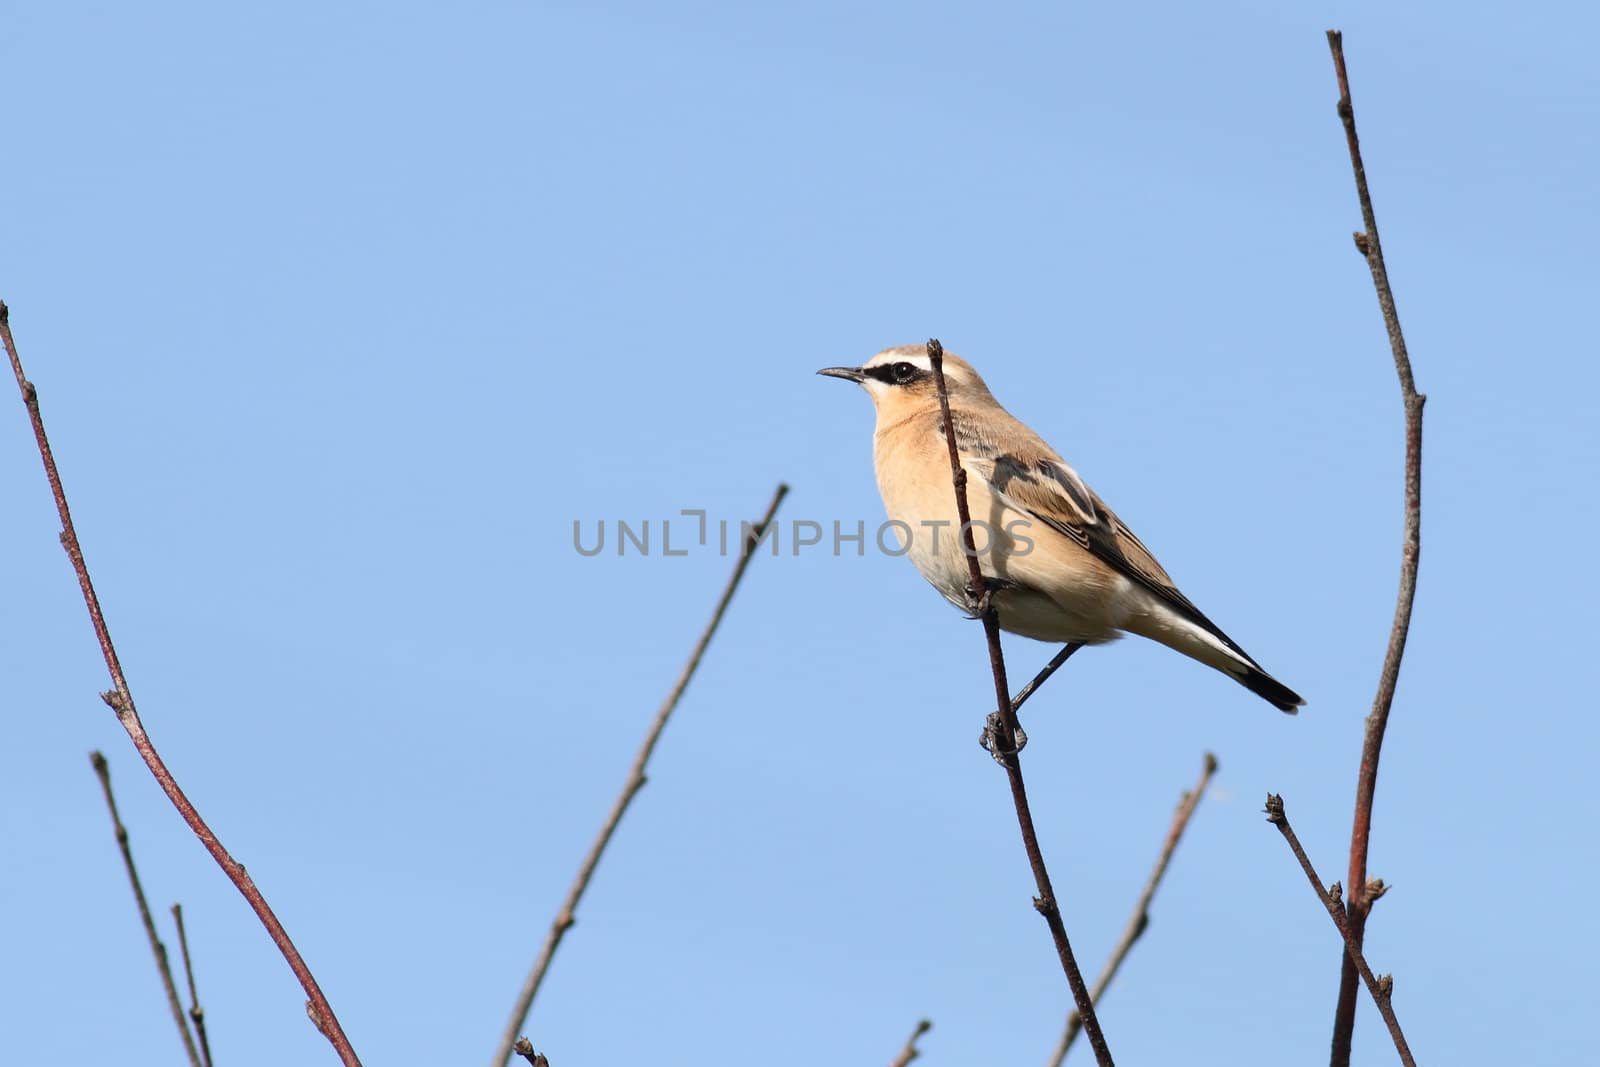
point(1380, 988)
point(635, 781)
point(120, 700)
point(1361, 895)
point(524, 1048)
point(1141, 911)
point(1003, 727)
point(157, 949)
point(196, 1014)
point(910, 1051)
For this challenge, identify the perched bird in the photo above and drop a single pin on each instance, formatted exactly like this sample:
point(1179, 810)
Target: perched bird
point(1059, 565)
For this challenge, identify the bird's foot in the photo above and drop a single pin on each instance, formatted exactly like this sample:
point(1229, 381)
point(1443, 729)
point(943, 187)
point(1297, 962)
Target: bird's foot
point(994, 729)
point(978, 606)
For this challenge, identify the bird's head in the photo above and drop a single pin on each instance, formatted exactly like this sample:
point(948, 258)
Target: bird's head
point(901, 379)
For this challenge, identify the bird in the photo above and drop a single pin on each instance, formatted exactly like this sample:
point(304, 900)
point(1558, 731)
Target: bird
point(1058, 564)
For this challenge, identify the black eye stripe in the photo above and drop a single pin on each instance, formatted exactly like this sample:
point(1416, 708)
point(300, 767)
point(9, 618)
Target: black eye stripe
point(901, 373)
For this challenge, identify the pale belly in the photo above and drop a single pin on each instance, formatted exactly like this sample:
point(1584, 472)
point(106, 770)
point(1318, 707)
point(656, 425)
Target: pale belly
point(1033, 595)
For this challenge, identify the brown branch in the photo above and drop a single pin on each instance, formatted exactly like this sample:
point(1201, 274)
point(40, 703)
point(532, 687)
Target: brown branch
point(157, 949)
point(1380, 988)
point(1361, 897)
point(524, 1048)
point(120, 699)
point(196, 1014)
point(566, 916)
point(1003, 731)
point(910, 1052)
point(1141, 911)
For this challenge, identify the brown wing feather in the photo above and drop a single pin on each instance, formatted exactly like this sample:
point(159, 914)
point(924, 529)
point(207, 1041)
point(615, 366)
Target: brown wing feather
point(1040, 483)
point(1031, 478)
point(1054, 494)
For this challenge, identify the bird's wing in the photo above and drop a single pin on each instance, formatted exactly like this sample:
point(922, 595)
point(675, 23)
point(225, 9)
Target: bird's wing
point(1050, 491)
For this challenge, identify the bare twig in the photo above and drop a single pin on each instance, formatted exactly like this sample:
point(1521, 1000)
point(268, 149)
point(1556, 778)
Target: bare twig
point(157, 949)
point(1141, 911)
point(1368, 244)
point(120, 700)
point(524, 1048)
point(196, 1014)
point(566, 916)
point(1003, 728)
point(1380, 988)
point(910, 1052)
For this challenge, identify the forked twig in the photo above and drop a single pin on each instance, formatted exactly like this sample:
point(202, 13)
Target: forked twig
point(1003, 729)
point(157, 949)
point(1360, 896)
point(910, 1051)
point(120, 700)
point(1380, 988)
point(1141, 910)
point(196, 1014)
point(566, 916)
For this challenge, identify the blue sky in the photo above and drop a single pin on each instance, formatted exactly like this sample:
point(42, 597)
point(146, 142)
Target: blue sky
point(342, 315)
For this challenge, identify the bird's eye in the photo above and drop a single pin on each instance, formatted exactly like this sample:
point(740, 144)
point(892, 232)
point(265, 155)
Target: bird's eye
point(903, 372)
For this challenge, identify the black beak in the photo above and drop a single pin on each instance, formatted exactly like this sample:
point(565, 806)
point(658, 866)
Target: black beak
point(852, 374)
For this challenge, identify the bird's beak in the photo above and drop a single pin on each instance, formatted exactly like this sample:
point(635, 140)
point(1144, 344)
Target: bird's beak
point(852, 374)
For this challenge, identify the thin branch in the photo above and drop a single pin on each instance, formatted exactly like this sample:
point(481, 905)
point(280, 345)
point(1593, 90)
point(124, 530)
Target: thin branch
point(910, 1052)
point(566, 916)
point(120, 700)
point(157, 949)
point(1141, 911)
point(1380, 988)
point(1004, 730)
point(524, 1048)
point(1362, 890)
point(196, 1014)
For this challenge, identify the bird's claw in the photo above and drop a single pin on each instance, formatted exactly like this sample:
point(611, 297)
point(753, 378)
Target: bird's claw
point(978, 605)
point(993, 730)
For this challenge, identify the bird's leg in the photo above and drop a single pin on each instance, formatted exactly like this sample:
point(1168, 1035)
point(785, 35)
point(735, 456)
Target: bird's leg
point(992, 726)
point(978, 605)
point(1044, 674)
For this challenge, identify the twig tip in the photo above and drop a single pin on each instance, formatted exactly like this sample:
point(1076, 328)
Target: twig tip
point(524, 1048)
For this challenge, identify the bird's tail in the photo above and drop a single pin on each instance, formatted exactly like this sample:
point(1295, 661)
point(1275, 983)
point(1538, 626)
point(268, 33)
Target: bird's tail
point(1268, 688)
point(1199, 638)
